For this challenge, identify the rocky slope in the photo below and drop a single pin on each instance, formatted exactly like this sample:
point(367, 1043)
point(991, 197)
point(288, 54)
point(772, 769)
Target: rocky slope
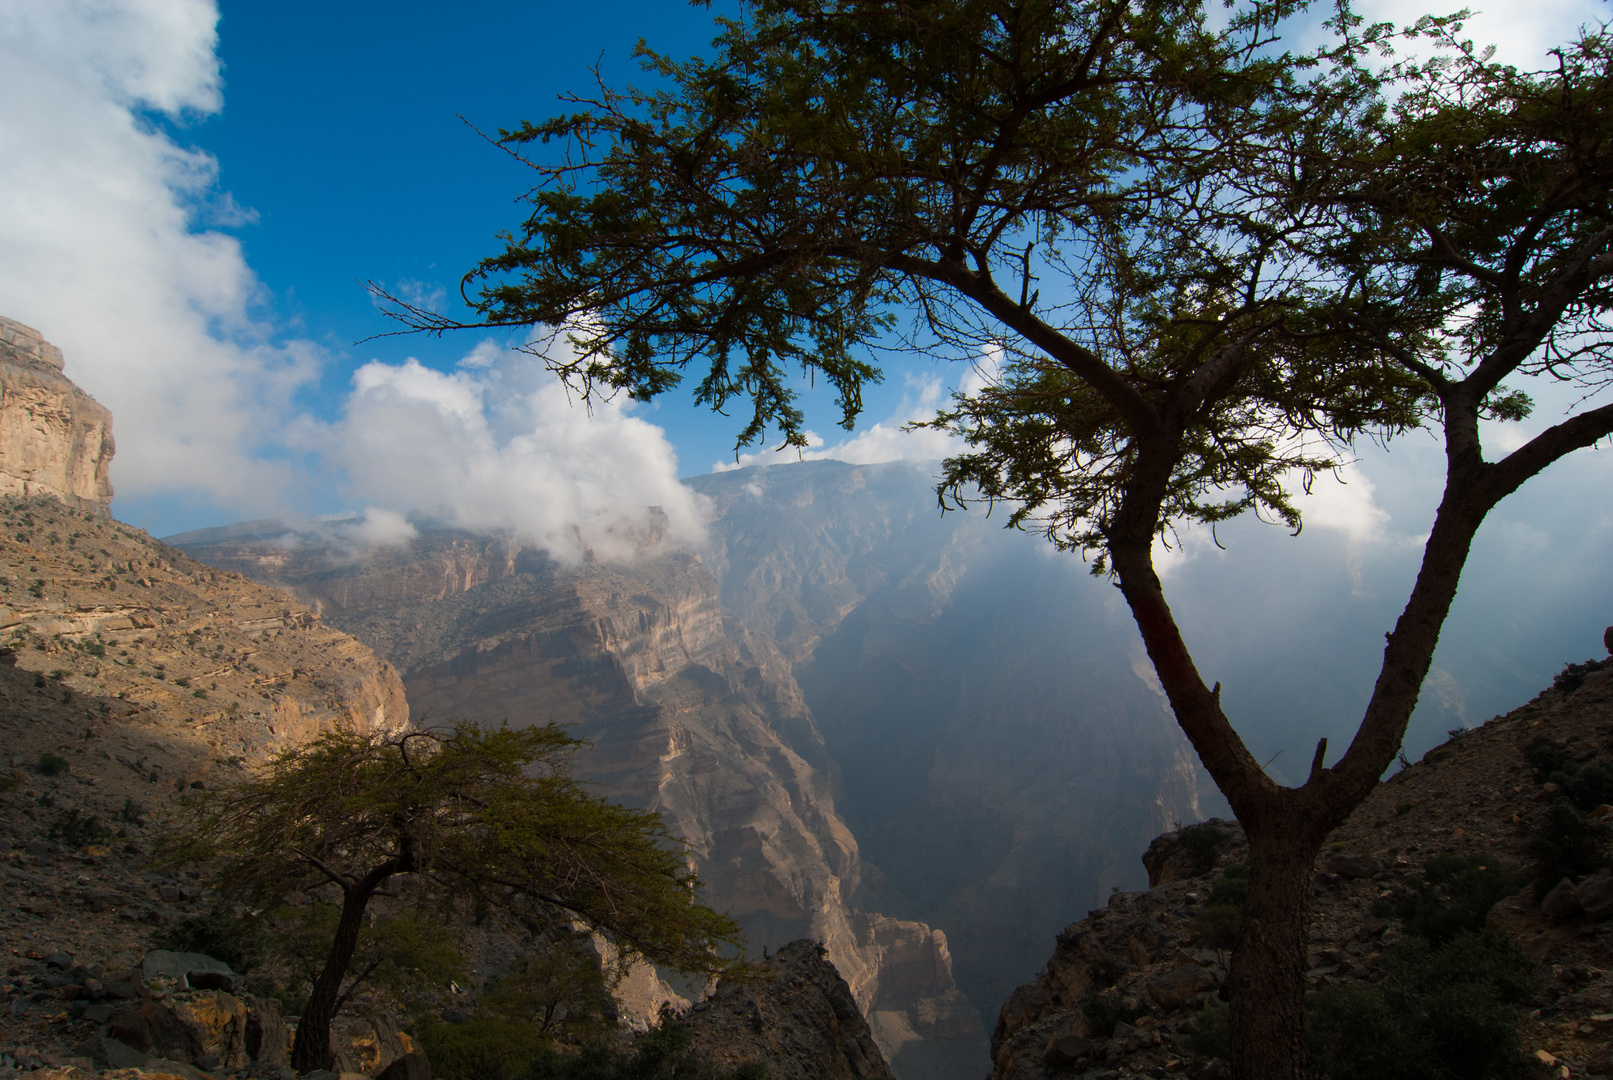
point(54, 439)
point(1122, 991)
point(131, 674)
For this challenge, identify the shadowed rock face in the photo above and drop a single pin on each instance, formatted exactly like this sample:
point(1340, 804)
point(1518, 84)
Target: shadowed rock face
point(54, 439)
point(797, 1017)
point(847, 704)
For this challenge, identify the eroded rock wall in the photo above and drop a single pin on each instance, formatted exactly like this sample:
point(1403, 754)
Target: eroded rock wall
point(54, 439)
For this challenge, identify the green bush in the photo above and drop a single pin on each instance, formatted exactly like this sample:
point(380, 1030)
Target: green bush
point(1546, 756)
point(1565, 845)
point(1209, 1034)
point(1215, 926)
point(486, 1048)
point(1203, 843)
point(239, 940)
point(1443, 1013)
point(1572, 677)
point(75, 831)
point(1453, 894)
point(1105, 1009)
point(51, 765)
point(660, 1054)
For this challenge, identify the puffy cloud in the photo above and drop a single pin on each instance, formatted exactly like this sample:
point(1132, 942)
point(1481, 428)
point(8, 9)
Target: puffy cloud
point(100, 248)
point(1521, 32)
point(500, 444)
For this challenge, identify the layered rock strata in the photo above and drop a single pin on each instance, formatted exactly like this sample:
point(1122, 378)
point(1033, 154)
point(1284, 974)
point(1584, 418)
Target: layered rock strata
point(689, 714)
point(54, 439)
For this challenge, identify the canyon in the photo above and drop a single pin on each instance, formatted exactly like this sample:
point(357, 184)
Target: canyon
point(910, 737)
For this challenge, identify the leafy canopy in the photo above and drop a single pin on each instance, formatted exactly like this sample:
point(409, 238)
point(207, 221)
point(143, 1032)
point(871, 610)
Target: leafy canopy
point(485, 819)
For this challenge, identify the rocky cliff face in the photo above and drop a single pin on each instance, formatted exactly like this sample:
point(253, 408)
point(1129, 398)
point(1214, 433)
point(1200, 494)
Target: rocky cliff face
point(1002, 745)
point(847, 704)
point(689, 712)
point(54, 439)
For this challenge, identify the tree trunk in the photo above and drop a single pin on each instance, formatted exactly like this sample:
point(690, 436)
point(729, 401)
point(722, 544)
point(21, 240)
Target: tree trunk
point(1267, 981)
point(312, 1049)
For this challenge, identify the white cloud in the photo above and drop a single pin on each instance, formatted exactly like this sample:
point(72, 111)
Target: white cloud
point(100, 250)
point(1341, 501)
point(1522, 32)
point(499, 444)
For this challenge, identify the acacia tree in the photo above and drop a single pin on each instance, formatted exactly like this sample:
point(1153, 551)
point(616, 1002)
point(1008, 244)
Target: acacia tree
point(481, 819)
point(1249, 260)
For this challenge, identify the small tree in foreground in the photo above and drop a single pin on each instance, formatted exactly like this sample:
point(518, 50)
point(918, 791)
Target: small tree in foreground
point(1209, 266)
point(481, 820)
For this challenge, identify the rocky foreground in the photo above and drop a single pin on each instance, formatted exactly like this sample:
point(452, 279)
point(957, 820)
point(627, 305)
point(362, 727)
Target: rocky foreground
point(1129, 986)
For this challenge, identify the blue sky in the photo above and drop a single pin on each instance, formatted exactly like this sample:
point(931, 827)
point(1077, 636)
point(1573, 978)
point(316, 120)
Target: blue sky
point(191, 192)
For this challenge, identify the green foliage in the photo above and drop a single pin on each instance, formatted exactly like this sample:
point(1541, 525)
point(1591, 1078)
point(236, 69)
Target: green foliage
point(1203, 843)
point(1572, 677)
point(1453, 895)
point(1216, 923)
point(1104, 1009)
point(7, 782)
point(1545, 756)
point(487, 819)
point(498, 1048)
point(488, 1047)
point(51, 765)
point(560, 985)
point(242, 940)
point(76, 830)
point(1586, 785)
point(1231, 888)
point(1564, 845)
point(1443, 1013)
point(663, 1053)
point(94, 648)
point(409, 954)
point(1209, 1034)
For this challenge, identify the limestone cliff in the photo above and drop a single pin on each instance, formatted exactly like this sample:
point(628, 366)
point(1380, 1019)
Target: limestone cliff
point(689, 713)
point(54, 439)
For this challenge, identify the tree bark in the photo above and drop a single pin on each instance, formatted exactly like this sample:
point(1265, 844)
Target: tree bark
point(1267, 980)
point(312, 1048)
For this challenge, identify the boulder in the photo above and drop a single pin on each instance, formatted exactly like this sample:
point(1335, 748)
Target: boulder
point(411, 1066)
point(268, 1040)
point(1562, 903)
point(1067, 1050)
point(109, 1053)
point(1353, 866)
point(1173, 989)
point(177, 967)
point(1596, 896)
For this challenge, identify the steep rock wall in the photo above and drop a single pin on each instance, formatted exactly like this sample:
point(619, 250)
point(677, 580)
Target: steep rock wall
point(688, 713)
point(54, 439)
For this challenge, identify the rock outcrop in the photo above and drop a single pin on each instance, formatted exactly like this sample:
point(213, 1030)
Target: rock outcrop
point(54, 439)
point(1122, 992)
point(796, 1016)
